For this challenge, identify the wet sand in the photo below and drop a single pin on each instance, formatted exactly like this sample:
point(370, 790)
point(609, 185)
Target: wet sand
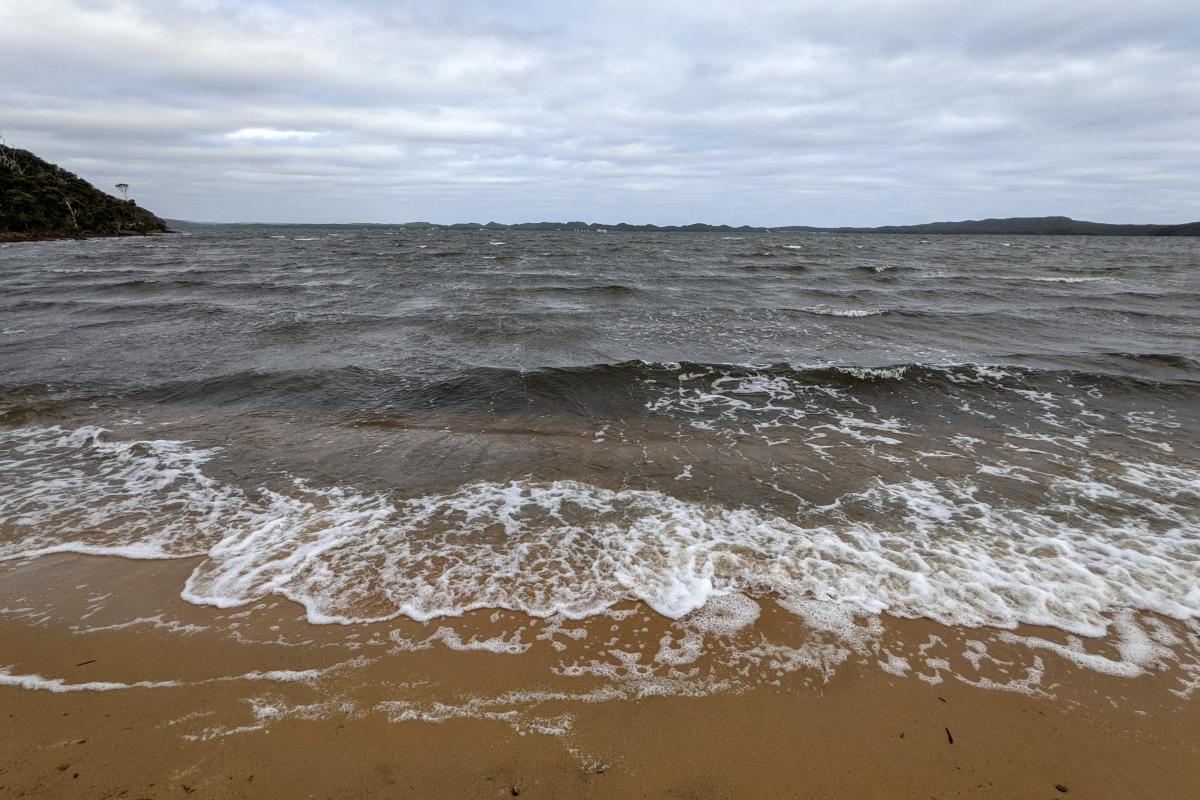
point(141, 695)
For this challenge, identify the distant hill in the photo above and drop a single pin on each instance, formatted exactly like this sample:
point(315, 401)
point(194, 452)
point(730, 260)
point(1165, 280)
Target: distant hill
point(1011, 226)
point(1039, 226)
point(40, 200)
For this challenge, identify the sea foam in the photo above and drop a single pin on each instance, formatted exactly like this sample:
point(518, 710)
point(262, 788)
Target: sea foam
point(931, 548)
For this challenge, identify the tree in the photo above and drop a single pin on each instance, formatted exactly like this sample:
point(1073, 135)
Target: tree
point(124, 187)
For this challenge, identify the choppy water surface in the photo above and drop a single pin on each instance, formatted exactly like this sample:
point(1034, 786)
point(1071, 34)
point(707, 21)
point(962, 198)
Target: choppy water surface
point(378, 422)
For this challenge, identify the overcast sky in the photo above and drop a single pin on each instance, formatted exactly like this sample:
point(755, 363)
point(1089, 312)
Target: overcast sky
point(666, 112)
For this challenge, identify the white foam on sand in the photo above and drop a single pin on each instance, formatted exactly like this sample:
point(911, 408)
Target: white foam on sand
point(35, 682)
point(932, 548)
point(510, 644)
point(894, 664)
point(1136, 650)
point(60, 686)
point(724, 615)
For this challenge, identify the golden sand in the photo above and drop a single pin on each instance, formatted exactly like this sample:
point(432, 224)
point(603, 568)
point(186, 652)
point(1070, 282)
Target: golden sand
point(130, 692)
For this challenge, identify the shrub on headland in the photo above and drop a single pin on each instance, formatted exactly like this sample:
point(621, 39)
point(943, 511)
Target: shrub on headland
point(40, 200)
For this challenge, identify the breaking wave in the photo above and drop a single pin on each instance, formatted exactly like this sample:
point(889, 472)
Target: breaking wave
point(914, 548)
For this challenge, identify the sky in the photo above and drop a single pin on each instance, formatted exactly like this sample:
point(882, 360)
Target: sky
point(671, 112)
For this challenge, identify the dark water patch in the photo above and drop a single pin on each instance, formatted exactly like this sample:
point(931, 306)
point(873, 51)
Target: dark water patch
point(792, 267)
point(46, 403)
point(160, 285)
point(146, 311)
point(1176, 315)
point(609, 289)
point(634, 389)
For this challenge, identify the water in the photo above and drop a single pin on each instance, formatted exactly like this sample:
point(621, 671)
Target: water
point(376, 422)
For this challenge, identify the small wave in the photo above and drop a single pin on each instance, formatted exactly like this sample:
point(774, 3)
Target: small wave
point(1100, 310)
point(845, 312)
point(576, 549)
point(1065, 279)
point(623, 389)
point(887, 270)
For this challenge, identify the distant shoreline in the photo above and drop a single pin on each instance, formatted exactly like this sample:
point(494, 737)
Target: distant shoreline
point(1011, 226)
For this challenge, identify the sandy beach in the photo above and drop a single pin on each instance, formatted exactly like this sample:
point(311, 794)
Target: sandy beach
point(113, 687)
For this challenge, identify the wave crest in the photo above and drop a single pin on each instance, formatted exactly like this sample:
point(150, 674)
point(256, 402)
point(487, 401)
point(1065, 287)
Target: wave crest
point(915, 548)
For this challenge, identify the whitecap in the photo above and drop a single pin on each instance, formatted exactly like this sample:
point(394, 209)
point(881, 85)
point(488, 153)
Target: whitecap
point(844, 312)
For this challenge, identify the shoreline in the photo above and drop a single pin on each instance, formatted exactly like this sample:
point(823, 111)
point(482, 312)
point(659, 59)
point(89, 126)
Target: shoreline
point(13, 238)
point(117, 685)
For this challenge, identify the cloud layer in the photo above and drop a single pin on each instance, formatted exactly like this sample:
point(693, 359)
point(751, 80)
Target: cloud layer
point(668, 112)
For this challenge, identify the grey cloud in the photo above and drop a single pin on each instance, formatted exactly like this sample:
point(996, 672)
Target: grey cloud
point(759, 112)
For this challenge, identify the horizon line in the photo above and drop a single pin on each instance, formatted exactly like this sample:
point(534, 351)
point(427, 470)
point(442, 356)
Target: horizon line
point(1061, 218)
